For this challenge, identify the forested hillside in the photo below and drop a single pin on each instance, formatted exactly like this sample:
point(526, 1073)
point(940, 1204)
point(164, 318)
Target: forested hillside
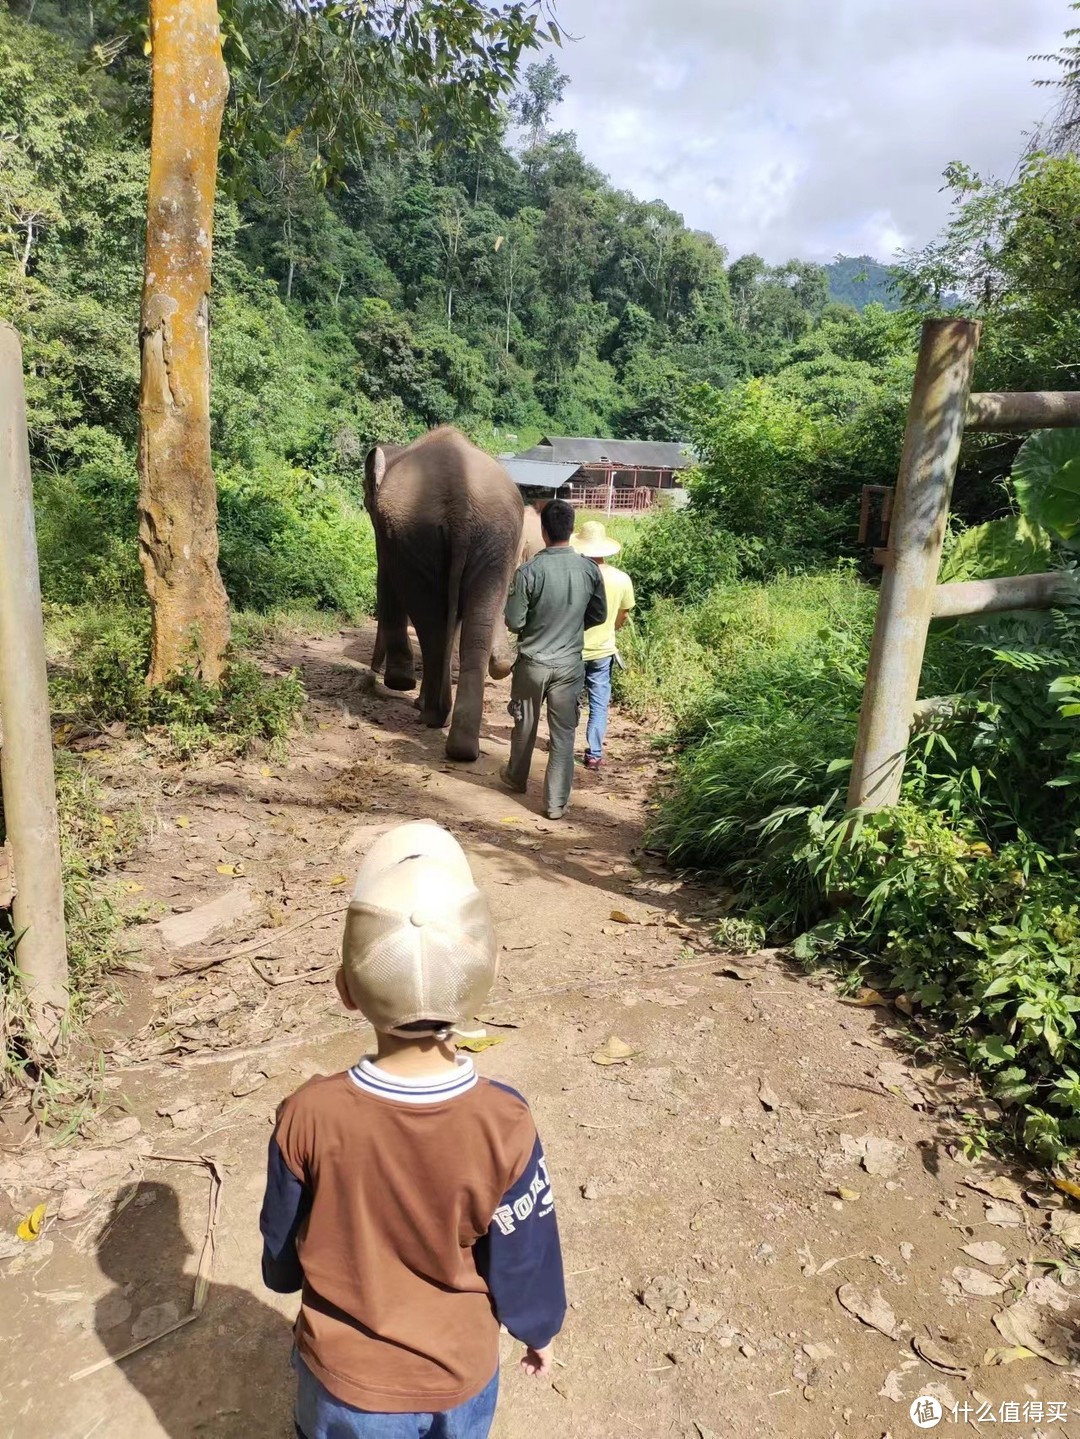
point(503, 285)
point(862, 281)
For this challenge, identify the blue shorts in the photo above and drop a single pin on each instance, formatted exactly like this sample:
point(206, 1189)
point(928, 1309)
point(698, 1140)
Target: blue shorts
point(320, 1416)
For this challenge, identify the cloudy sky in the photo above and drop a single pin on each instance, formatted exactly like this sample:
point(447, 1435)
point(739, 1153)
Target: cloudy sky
point(804, 127)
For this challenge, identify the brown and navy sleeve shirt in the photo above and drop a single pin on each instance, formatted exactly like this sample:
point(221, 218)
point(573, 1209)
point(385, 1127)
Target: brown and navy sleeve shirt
point(415, 1216)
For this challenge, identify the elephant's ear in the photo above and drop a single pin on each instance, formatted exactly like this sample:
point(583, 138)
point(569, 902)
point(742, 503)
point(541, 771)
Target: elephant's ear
point(375, 468)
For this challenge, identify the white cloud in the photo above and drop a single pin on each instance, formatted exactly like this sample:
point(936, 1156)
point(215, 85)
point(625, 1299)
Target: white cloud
point(804, 127)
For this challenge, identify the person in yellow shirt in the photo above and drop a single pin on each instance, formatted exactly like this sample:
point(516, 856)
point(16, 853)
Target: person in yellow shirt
point(600, 652)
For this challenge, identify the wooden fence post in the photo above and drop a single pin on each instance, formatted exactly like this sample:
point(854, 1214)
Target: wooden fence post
point(26, 760)
point(935, 427)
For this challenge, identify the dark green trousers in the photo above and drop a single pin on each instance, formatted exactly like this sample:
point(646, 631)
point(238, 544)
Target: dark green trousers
point(559, 687)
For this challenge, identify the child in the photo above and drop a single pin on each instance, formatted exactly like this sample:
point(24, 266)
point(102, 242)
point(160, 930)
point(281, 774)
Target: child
point(408, 1198)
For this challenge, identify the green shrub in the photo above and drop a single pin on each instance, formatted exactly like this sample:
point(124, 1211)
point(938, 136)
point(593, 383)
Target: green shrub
point(744, 651)
point(678, 555)
point(289, 537)
point(90, 843)
point(87, 523)
point(985, 941)
point(102, 680)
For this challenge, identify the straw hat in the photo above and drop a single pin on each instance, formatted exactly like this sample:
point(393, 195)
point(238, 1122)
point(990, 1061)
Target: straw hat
point(592, 541)
point(419, 942)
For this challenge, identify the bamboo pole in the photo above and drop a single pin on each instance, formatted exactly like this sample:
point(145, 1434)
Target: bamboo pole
point(26, 759)
point(1024, 410)
point(997, 596)
point(935, 427)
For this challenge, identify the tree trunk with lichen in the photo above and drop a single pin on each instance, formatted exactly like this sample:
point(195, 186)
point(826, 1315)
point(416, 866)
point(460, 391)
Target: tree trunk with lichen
point(178, 542)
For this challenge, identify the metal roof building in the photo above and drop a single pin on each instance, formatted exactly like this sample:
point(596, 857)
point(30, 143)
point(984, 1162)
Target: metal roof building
point(537, 474)
point(622, 454)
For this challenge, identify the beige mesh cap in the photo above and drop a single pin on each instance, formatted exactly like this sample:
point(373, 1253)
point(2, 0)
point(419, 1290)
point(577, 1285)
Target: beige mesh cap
point(419, 942)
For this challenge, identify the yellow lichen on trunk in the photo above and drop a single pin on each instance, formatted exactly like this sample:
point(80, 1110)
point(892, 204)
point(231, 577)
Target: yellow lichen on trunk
point(178, 542)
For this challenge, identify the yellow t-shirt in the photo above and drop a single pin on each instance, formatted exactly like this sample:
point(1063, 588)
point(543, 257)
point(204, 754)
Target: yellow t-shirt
point(619, 588)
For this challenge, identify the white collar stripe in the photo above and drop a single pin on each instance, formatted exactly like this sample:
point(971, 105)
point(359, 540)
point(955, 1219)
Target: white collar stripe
point(369, 1077)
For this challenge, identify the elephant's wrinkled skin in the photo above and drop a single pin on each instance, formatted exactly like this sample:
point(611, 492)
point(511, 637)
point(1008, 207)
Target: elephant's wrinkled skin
point(532, 535)
point(448, 532)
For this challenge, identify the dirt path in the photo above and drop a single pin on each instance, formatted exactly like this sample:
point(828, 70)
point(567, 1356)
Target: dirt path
point(765, 1146)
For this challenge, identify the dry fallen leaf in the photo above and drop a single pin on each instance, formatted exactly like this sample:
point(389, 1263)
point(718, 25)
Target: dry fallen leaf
point(337, 879)
point(891, 1387)
point(30, 1228)
point(1008, 1356)
point(129, 886)
point(663, 1296)
point(977, 1283)
point(768, 1096)
point(1004, 1215)
point(1066, 1225)
point(615, 1051)
point(998, 1187)
point(1047, 1292)
point(480, 1043)
point(988, 1252)
point(620, 918)
point(236, 869)
point(940, 1358)
point(183, 821)
point(1022, 1325)
point(873, 1311)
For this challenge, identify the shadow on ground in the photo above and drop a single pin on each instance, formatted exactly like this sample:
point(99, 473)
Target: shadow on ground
point(225, 1374)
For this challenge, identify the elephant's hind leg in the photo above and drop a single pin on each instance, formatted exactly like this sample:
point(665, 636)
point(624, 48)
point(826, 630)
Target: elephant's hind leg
point(435, 638)
point(400, 672)
point(482, 609)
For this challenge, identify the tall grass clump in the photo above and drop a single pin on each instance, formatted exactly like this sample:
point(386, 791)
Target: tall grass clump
point(100, 663)
point(786, 663)
point(743, 653)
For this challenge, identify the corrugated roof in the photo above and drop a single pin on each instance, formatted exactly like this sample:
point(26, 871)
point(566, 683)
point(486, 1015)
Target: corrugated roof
point(542, 474)
point(648, 454)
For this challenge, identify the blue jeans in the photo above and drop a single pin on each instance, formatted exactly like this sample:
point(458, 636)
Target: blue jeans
point(598, 690)
point(320, 1416)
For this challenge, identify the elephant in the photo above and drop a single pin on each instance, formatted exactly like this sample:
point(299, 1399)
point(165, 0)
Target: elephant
point(532, 542)
point(532, 535)
point(448, 526)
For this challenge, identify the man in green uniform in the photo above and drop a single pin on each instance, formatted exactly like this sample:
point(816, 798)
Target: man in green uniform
point(553, 600)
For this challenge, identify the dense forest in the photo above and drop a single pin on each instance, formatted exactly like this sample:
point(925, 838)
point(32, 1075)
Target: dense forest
point(862, 281)
point(501, 284)
point(478, 269)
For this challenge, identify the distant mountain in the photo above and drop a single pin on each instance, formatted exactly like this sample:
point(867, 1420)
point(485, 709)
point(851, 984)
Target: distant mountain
point(859, 281)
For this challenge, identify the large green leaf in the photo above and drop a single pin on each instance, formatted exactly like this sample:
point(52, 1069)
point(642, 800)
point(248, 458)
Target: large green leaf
point(1012, 546)
point(1046, 475)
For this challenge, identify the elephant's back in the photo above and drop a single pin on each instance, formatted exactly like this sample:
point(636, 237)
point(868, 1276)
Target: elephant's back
point(443, 479)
